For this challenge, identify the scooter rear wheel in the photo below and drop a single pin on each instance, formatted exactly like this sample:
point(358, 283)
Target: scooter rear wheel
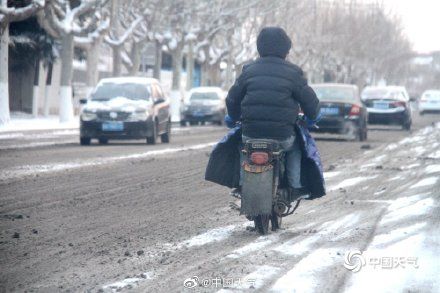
point(262, 224)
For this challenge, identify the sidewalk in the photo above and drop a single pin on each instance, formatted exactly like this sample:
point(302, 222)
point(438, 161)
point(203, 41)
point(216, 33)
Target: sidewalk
point(26, 122)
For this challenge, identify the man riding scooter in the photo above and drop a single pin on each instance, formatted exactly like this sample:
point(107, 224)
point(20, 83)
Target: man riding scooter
point(267, 96)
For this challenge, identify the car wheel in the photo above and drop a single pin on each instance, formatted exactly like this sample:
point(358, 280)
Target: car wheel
point(407, 126)
point(152, 139)
point(182, 123)
point(103, 141)
point(85, 140)
point(165, 137)
point(192, 123)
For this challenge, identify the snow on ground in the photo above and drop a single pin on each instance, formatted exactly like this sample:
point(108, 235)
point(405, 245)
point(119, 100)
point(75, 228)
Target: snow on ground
point(29, 170)
point(432, 169)
point(419, 207)
point(329, 175)
point(217, 234)
point(127, 283)
point(305, 275)
point(417, 271)
point(425, 182)
point(350, 182)
point(402, 232)
point(261, 242)
point(20, 122)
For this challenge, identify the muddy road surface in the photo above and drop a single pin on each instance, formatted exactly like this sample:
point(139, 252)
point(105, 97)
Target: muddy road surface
point(132, 217)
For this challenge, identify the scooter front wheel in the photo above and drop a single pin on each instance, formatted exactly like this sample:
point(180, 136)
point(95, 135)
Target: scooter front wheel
point(262, 224)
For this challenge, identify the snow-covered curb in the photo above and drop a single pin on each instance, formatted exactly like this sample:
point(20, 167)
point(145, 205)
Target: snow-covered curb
point(23, 122)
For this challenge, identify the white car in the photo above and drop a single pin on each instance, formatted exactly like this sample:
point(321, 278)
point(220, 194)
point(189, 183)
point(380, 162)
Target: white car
point(429, 102)
point(203, 104)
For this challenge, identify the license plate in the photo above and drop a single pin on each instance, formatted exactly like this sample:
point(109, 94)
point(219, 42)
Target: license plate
point(113, 126)
point(198, 114)
point(381, 105)
point(330, 111)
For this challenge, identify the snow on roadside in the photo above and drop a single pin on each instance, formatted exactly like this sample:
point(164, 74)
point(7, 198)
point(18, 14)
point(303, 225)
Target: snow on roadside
point(25, 123)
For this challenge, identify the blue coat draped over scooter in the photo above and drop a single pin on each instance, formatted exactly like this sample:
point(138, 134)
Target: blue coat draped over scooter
point(224, 162)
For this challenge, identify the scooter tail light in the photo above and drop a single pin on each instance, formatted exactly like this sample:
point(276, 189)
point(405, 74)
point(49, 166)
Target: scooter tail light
point(260, 158)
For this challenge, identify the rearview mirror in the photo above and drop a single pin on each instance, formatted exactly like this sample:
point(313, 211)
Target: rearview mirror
point(83, 101)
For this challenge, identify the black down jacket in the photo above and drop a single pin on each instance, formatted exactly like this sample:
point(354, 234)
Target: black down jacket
point(267, 95)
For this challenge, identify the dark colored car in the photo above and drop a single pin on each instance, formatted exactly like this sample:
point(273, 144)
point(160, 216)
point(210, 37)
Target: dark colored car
point(342, 111)
point(388, 105)
point(203, 104)
point(126, 108)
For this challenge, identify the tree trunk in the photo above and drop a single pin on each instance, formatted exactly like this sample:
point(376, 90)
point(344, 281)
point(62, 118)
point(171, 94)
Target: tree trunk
point(92, 73)
point(135, 58)
point(117, 61)
point(205, 69)
point(36, 89)
point(66, 94)
point(177, 67)
point(47, 90)
point(190, 66)
point(4, 72)
point(158, 61)
point(229, 72)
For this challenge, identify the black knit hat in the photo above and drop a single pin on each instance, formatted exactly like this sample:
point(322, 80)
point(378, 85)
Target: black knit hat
point(273, 41)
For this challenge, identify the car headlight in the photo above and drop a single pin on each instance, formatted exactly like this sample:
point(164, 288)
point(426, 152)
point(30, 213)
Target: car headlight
point(139, 116)
point(88, 116)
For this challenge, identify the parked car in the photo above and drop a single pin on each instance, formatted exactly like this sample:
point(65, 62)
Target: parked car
point(429, 102)
point(388, 105)
point(204, 104)
point(342, 111)
point(126, 108)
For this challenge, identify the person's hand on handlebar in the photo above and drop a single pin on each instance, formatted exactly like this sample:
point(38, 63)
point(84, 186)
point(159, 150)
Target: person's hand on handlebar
point(309, 122)
point(230, 123)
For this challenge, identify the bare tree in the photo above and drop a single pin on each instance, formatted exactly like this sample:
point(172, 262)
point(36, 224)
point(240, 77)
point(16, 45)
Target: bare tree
point(8, 15)
point(65, 20)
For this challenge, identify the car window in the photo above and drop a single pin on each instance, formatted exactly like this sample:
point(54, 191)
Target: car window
point(432, 95)
point(335, 94)
point(204, 96)
point(378, 94)
point(110, 90)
